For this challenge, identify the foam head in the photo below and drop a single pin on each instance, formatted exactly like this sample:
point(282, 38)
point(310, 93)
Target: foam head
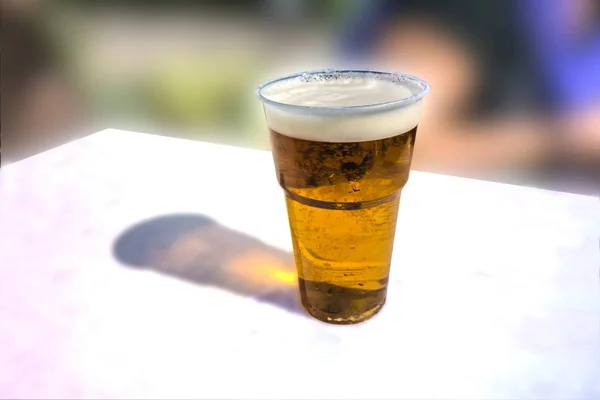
point(343, 106)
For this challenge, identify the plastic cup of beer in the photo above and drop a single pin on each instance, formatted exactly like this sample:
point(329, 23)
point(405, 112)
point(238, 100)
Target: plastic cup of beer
point(342, 143)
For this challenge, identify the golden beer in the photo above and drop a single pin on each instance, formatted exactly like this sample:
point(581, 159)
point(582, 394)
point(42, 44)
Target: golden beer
point(342, 145)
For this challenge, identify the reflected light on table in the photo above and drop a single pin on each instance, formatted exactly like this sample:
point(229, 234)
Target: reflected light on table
point(196, 249)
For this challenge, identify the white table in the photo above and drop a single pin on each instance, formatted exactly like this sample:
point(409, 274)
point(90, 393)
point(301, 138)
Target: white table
point(494, 289)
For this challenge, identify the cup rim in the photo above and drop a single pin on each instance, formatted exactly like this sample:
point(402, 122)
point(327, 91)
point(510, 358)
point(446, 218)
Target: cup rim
point(346, 109)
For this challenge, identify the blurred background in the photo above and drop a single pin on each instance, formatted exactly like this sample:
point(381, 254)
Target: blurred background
point(516, 83)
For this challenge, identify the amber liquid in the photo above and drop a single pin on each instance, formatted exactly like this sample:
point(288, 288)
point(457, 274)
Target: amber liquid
point(342, 201)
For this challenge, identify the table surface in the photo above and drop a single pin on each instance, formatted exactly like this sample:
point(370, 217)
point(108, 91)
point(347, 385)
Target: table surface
point(140, 266)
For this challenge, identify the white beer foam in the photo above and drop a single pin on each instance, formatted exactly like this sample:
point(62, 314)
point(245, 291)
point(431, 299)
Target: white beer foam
point(342, 91)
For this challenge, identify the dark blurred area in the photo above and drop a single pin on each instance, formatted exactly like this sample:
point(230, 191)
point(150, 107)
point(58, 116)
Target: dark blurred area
point(515, 83)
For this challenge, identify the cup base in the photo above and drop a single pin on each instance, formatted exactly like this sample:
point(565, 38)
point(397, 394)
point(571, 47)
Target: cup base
point(337, 320)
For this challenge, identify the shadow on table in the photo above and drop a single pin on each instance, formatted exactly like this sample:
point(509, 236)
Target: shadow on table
point(197, 249)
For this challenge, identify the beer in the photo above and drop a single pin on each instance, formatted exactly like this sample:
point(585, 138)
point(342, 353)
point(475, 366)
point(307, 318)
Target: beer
point(342, 168)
